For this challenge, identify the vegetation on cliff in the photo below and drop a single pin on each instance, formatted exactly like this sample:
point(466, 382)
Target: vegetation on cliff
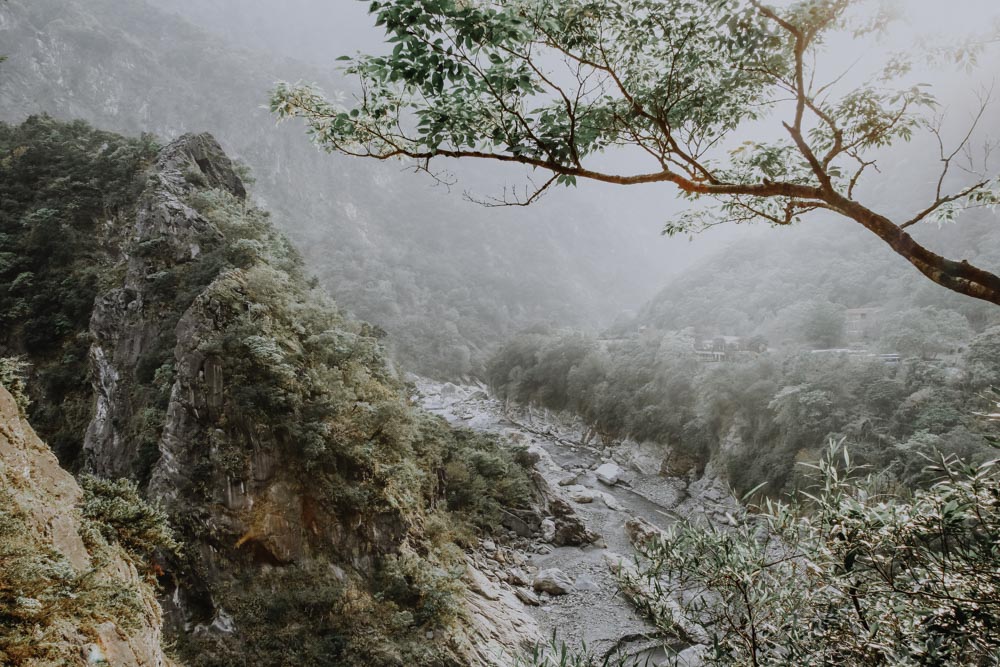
point(62, 187)
point(306, 414)
point(318, 384)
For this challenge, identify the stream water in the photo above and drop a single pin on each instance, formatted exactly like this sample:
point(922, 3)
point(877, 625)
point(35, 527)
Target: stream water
point(594, 613)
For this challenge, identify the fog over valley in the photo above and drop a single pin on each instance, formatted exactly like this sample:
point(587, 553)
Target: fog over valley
point(499, 333)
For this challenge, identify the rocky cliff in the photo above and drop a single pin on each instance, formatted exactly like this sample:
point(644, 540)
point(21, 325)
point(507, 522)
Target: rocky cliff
point(234, 472)
point(67, 596)
point(135, 320)
point(324, 519)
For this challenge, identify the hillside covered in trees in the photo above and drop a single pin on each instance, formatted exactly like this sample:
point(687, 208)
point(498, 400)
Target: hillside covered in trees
point(756, 367)
point(169, 336)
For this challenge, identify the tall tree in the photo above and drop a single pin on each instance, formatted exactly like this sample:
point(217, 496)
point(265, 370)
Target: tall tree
point(552, 83)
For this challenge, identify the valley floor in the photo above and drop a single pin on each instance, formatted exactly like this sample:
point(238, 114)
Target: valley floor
point(593, 612)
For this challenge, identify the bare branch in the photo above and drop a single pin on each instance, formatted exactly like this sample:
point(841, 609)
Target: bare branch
point(941, 201)
point(531, 195)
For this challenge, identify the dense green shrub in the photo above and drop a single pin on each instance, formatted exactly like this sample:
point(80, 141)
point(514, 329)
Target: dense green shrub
point(124, 517)
point(61, 187)
point(320, 385)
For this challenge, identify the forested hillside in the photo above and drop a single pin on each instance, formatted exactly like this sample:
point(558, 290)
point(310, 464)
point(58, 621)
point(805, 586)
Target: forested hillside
point(797, 366)
point(780, 283)
point(755, 416)
point(172, 337)
point(447, 279)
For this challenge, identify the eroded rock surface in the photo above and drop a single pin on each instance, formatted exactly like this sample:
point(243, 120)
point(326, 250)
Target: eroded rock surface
point(130, 322)
point(601, 501)
point(38, 504)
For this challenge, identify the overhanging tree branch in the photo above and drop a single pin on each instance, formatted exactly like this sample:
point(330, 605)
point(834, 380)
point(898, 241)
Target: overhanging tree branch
point(676, 80)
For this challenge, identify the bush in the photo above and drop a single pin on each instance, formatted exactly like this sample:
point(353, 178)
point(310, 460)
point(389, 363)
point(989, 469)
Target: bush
point(847, 574)
point(124, 517)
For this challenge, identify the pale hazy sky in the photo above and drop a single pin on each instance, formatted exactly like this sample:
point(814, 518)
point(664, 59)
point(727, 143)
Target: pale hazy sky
point(317, 31)
point(320, 30)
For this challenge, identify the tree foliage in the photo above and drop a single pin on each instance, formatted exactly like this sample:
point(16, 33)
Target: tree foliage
point(756, 414)
point(550, 84)
point(926, 332)
point(846, 574)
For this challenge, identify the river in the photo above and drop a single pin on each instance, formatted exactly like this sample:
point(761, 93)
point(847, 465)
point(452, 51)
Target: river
point(594, 613)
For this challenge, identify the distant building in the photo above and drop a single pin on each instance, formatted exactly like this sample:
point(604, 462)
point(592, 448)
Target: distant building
point(862, 323)
point(722, 348)
point(890, 359)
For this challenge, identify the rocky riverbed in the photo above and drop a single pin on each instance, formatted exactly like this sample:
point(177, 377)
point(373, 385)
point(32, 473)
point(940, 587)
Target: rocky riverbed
point(597, 494)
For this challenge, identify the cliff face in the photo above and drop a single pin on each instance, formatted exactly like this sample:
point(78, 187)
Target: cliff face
point(67, 597)
point(316, 509)
point(135, 319)
point(225, 474)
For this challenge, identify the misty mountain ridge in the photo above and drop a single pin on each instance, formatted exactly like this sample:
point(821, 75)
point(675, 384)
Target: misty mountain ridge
point(297, 407)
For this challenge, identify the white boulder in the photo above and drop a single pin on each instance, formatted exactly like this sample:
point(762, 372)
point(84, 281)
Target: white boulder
point(553, 581)
point(609, 473)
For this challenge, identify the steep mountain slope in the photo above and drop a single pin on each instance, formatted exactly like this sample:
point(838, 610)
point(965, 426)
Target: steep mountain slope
point(741, 365)
point(757, 286)
point(322, 517)
point(67, 595)
point(447, 279)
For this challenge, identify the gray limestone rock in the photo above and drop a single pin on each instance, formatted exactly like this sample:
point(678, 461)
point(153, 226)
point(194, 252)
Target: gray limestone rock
point(553, 581)
point(609, 473)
